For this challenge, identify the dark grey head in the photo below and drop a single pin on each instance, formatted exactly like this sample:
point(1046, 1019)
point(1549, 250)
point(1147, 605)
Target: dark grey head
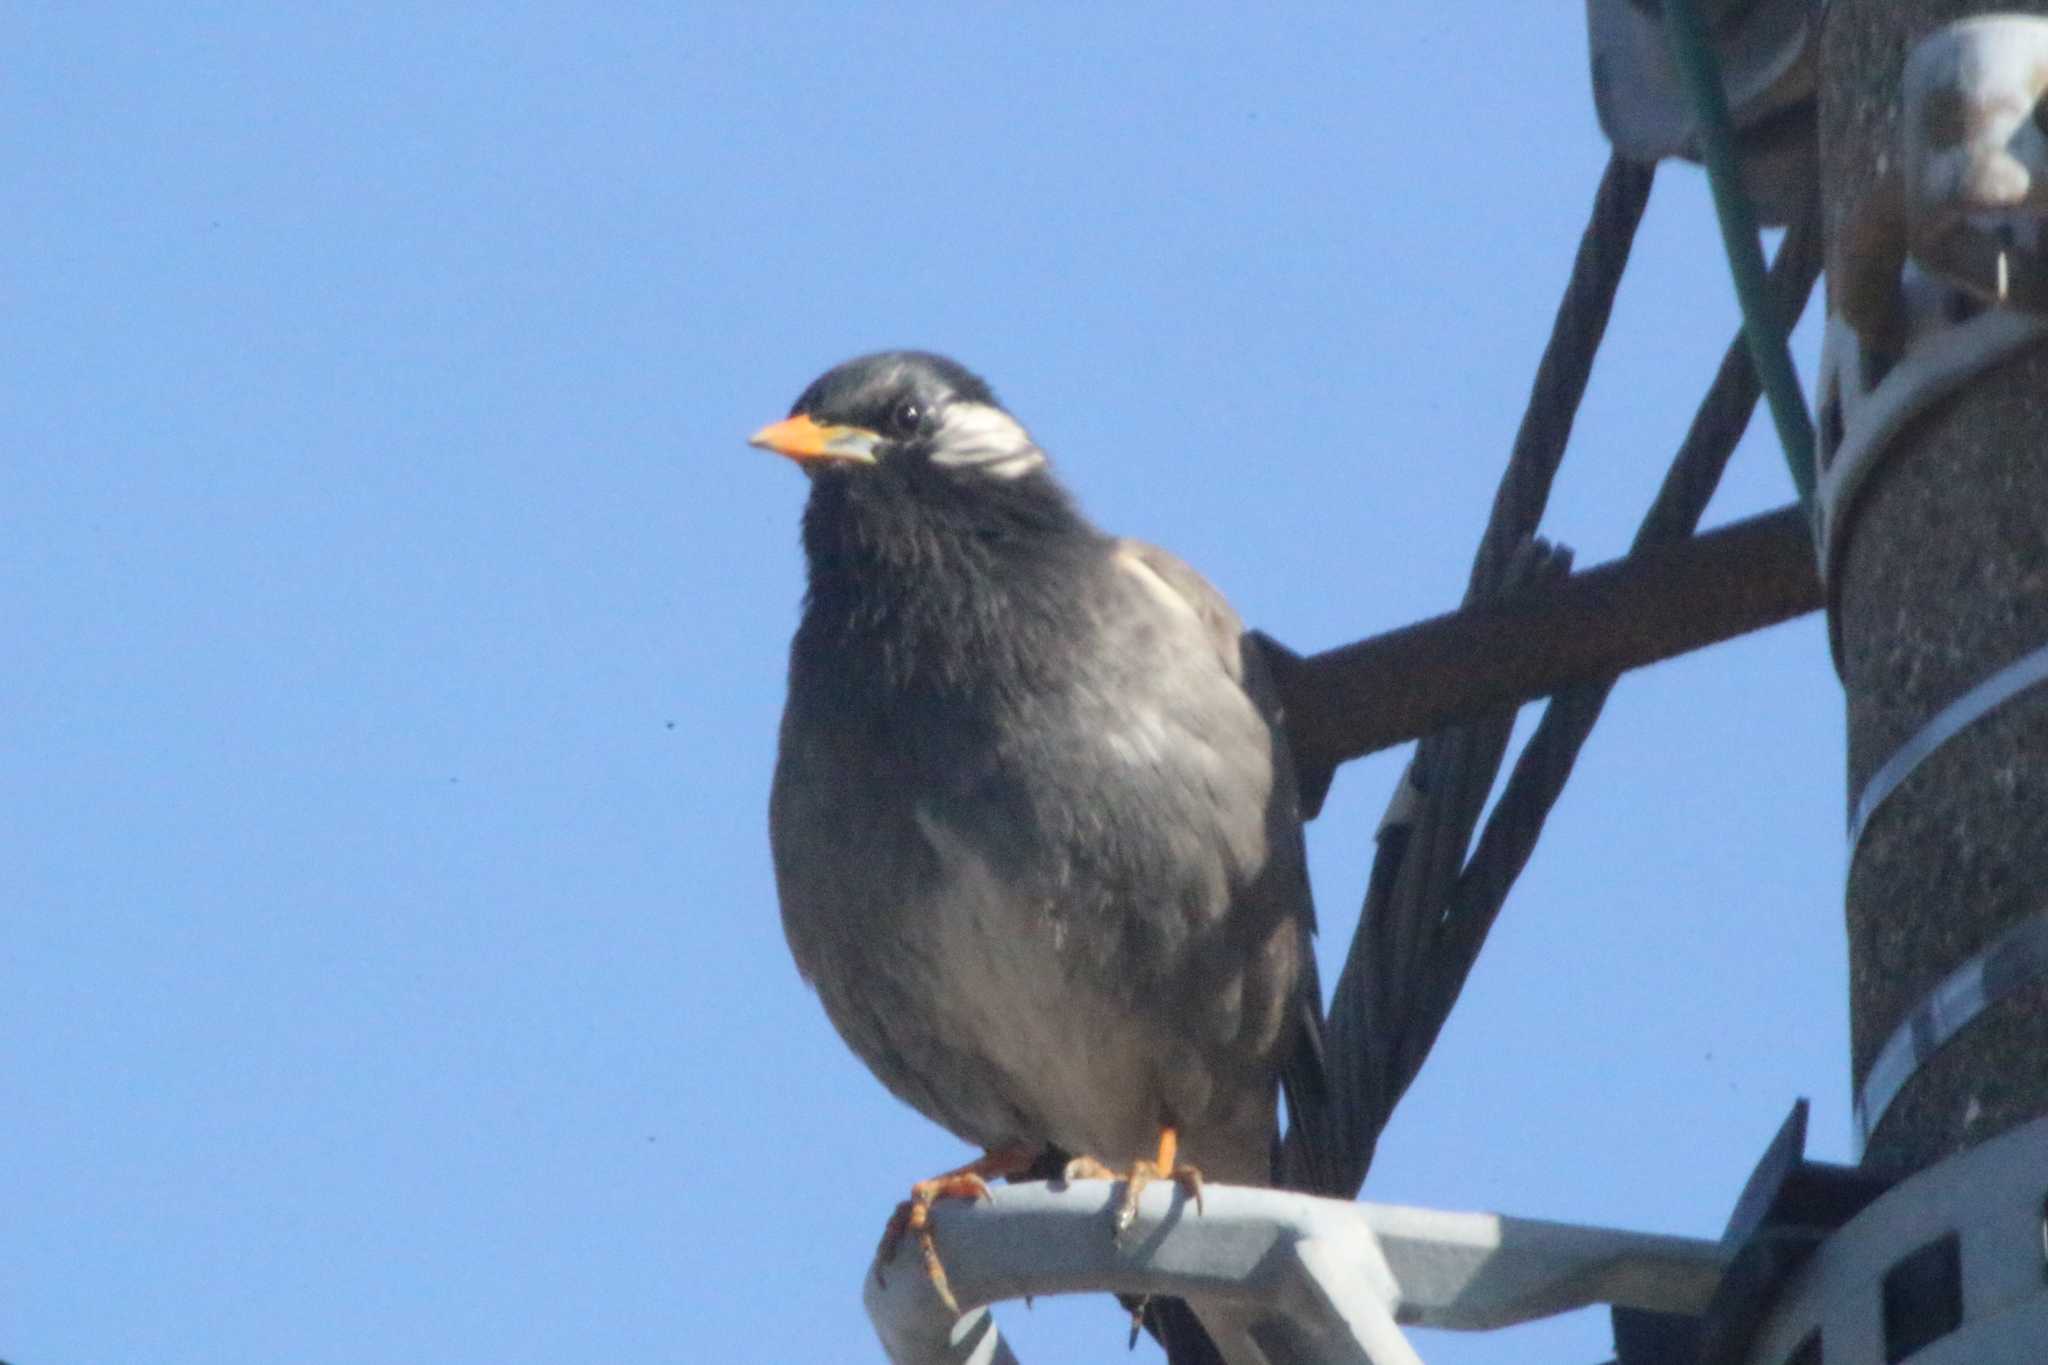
point(900, 408)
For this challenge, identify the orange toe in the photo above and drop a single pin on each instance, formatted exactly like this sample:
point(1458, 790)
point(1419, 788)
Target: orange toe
point(914, 1215)
point(1141, 1174)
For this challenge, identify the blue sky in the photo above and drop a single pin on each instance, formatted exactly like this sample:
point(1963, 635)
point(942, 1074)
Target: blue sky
point(391, 965)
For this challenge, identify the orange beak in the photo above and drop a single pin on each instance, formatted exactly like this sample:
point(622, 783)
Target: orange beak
point(810, 442)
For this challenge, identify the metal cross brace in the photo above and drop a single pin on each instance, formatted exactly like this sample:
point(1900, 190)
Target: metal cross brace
point(1277, 1278)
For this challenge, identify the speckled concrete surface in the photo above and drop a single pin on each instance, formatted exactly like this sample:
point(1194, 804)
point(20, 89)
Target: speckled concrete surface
point(1945, 581)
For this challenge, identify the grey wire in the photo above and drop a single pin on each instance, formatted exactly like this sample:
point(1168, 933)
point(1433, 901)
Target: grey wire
point(1563, 371)
point(1428, 906)
point(1545, 764)
point(1372, 1012)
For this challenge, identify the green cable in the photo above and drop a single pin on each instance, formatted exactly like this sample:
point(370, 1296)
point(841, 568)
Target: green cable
point(1761, 327)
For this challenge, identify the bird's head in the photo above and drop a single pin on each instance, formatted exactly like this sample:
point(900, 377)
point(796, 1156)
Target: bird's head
point(902, 409)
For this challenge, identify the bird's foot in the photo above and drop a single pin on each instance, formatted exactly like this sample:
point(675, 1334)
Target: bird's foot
point(914, 1215)
point(1141, 1174)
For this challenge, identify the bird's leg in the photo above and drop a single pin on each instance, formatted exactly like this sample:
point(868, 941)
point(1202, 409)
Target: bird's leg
point(914, 1215)
point(1142, 1173)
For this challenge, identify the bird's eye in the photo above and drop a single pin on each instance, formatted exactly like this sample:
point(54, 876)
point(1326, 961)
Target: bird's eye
point(906, 417)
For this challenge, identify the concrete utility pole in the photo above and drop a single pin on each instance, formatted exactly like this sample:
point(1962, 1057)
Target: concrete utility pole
point(1944, 582)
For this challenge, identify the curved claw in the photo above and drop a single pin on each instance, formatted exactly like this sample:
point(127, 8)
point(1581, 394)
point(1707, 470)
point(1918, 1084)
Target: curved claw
point(914, 1215)
point(1141, 1174)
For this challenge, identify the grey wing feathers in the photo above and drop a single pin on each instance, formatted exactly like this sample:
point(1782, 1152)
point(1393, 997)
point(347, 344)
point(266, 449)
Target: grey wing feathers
point(1195, 592)
point(1240, 655)
point(1302, 1072)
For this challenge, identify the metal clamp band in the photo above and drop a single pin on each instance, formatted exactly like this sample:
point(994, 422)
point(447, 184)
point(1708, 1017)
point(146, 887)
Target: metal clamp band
point(1950, 721)
point(2016, 958)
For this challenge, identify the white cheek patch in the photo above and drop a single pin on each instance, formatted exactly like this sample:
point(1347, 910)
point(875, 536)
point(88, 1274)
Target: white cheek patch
point(986, 438)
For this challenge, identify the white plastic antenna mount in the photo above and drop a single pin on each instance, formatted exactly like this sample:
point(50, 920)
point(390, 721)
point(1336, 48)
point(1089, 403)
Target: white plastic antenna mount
point(1765, 51)
point(1940, 270)
point(1976, 157)
point(1277, 1278)
point(1936, 338)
